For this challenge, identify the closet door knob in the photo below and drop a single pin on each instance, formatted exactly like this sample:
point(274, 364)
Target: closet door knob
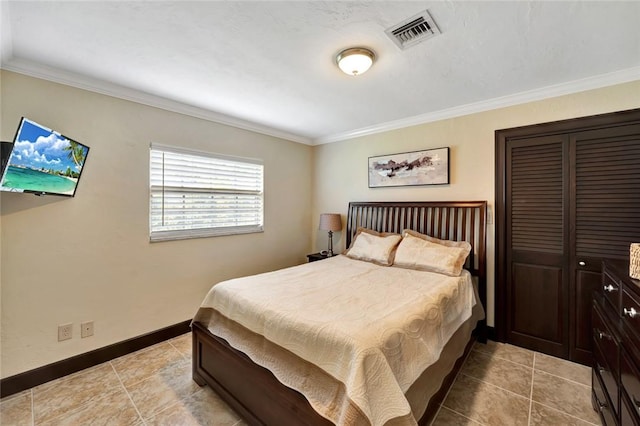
point(609, 288)
point(581, 263)
point(631, 313)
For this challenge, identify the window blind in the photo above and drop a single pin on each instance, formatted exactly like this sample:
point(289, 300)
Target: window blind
point(195, 194)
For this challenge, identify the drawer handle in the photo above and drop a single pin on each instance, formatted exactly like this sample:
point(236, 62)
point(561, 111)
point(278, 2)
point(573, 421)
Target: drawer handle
point(602, 406)
point(601, 334)
point(609, 288)
point(631, 312)
point(581, 263)
point(600, 369)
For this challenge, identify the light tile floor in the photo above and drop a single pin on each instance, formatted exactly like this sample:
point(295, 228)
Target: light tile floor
point(498, 385)
point(506, 385)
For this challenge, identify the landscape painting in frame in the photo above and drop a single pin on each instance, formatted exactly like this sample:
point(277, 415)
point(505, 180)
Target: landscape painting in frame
point(428, 167)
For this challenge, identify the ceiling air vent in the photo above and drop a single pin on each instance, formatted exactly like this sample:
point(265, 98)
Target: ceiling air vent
point(414, 30)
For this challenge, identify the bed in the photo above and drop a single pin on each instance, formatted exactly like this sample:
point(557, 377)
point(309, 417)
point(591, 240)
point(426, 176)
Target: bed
point(268, 386)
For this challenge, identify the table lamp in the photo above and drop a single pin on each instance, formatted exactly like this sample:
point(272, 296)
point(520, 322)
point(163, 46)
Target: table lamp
point(330, 222)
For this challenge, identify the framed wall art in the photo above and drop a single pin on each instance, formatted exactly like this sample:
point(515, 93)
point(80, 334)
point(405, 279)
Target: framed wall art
point(428, 167)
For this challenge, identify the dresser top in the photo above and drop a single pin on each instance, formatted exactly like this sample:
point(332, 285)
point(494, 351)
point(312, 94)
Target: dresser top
point(621, 269)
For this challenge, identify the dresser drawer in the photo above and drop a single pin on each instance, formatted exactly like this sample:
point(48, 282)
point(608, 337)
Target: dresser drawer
point(628, 413)
point(606, 355)
point(600, 402)
point(608, 378)
point(611, 290)
point(605, 340)
point(630, 312)
point(630, 380)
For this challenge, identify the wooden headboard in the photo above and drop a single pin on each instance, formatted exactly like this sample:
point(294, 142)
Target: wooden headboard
point(455, 220)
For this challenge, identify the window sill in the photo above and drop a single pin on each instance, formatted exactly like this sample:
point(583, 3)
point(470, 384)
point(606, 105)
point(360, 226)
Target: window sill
point(202, 233)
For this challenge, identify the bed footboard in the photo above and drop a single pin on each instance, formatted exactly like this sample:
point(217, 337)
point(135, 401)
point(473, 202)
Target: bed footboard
point(261, 398)
point(265, 401)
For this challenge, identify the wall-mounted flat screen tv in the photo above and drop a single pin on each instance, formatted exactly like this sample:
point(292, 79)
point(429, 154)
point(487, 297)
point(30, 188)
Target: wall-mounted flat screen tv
point(43, 162)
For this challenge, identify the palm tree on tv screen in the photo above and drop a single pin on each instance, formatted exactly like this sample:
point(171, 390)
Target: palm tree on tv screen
point(75, 152)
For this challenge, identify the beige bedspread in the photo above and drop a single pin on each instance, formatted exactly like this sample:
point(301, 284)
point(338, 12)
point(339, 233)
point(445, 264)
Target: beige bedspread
point(373, 329)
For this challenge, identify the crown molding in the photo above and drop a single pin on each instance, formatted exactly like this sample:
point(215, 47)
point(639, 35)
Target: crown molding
point(589, 83)
point(110, 89)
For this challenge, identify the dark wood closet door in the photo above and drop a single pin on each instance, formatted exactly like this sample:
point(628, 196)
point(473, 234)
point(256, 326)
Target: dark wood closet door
point(567, 198)
point(537, 236)
point(605, 202)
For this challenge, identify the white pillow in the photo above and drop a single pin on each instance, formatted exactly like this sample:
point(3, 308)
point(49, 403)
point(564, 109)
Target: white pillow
point(372, 246)
point(420, 253)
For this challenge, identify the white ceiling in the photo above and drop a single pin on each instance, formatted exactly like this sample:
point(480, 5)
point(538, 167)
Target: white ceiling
point(269, 66)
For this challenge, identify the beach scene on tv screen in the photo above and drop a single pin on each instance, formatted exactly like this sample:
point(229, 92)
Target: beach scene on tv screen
point(43, 161)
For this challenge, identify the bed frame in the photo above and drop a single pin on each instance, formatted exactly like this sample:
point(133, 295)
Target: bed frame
point(255, 393)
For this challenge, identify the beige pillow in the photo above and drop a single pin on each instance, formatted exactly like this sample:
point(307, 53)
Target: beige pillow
point(372, 246)
point(448, 243)
point(425, 253)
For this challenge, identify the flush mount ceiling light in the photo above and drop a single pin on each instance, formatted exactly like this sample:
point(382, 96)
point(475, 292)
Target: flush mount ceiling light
point(355, 60)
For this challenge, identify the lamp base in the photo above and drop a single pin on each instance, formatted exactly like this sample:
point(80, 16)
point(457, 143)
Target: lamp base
point(330, 250)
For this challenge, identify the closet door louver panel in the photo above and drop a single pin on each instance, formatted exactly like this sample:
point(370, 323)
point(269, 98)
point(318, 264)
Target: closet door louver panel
point(536, 228)
point(537, 198)
point(607, 206)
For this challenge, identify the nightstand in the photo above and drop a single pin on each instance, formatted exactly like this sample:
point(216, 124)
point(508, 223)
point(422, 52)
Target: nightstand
point(316, 256)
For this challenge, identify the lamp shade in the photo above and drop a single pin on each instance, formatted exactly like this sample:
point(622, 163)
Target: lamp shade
point(330, 222)
point(356, 60)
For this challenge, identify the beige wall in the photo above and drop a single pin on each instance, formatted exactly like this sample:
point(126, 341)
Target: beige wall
point(89, 257)
point(340, 169)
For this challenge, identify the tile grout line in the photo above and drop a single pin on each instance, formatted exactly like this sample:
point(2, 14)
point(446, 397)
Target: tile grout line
point(178, 402)
point(78, 408)
point(184, 359)
point(181, 353)
point(533, 373)
point(564, 378)
point(490, 385)
point(561, 378)
point(135, 407)
point(33, 414)
point(138, 381)
point(567, 414)
point(452, 383)
point(562, 360)
point(495, 356)
point(462, 415)
point(495, 386)
point(188, 357)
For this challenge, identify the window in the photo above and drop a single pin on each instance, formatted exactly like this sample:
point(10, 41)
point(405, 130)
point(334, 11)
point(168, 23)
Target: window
point(195, 194)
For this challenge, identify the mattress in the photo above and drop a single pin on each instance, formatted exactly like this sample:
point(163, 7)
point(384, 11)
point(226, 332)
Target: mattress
point(353, 337)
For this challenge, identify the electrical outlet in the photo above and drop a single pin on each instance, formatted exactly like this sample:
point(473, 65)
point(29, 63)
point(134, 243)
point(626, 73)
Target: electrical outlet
point(65, 332)
point(86, 329)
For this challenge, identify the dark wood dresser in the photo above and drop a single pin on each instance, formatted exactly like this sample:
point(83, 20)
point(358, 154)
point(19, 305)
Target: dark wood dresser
point(616, 349)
